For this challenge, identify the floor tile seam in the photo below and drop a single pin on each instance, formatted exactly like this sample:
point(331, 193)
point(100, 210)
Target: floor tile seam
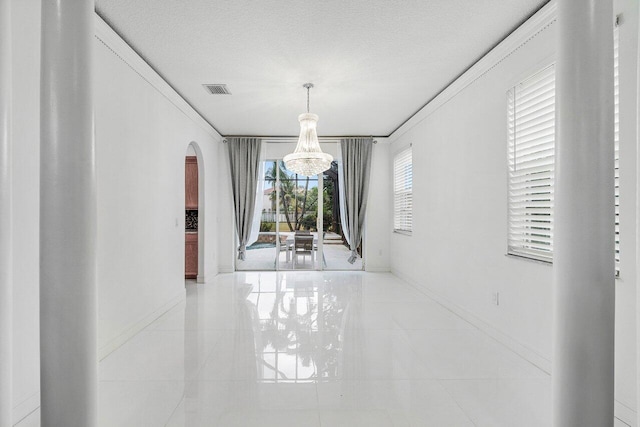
point(387, 412)
point(30, 414)
point(147, 380)
point(403, 381)
point(144, 381)
point(199, 330)
point(466, 414)
point(433, 300)
point(145, 329)
point(165, 313)
point(481, 330)
point(439, 329)
point(513, 351)
point(205, 359)
point(408, 380)
point(315, 387)
point(491, 379)
point(416, 356)
point(247, 380)
point(622, 421)
point(182, 397)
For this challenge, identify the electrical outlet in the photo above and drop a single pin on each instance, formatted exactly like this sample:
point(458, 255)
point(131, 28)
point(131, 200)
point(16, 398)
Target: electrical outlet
point(495, 298)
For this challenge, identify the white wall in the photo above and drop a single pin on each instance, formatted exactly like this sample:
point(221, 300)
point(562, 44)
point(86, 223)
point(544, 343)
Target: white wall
point(227, 247)
point(378, 219)
point(626, 285)
point(460, 207)
point(143, 130)
point(141, 142)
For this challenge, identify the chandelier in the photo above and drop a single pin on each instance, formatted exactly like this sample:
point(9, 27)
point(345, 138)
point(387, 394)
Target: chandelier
point(308, 158)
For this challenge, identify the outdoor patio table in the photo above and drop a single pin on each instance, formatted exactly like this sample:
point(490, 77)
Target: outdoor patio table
point(289, 245)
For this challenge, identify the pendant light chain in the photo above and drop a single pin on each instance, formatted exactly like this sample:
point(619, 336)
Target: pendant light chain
point(307, 86)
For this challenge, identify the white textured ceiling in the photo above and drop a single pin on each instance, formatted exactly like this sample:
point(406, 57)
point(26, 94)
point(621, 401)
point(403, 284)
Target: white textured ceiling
point(374, 62)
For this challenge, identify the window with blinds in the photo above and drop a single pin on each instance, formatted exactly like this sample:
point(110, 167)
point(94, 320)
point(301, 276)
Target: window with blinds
point(531, 138)
point(531, 148)
point(616, 142)
point(403, 192)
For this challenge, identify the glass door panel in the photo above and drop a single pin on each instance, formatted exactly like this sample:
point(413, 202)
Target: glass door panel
point(298, 217)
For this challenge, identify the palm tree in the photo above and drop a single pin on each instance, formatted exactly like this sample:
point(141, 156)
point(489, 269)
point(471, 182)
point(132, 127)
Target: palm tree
point(304, 205)
point(291, 194)
point(286, 188)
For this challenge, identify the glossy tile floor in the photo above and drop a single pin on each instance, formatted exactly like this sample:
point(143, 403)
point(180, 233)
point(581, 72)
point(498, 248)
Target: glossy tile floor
point(310, 349)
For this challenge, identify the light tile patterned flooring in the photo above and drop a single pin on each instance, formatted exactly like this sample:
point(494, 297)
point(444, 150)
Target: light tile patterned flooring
point(316, 349)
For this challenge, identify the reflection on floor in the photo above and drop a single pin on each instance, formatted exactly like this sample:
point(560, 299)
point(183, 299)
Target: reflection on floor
point(309, 349)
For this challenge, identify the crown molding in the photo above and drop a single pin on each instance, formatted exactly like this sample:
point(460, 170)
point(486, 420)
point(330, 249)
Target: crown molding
point(542, 19)
point(113, 41)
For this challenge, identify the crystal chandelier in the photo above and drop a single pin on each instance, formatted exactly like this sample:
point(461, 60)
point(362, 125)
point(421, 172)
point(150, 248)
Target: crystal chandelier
point(308, 158)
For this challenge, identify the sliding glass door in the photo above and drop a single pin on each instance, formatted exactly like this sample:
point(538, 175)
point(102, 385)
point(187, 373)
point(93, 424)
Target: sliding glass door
point(298, 206)
point(298, 223)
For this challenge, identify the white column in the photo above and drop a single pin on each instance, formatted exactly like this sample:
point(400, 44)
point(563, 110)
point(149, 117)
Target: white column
point(68, 316)
point(202, 222)
point(583, 354)
point(6, 297)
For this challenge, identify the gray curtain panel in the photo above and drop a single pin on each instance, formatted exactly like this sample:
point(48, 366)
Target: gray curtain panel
point(244, 161)
point(356, 164)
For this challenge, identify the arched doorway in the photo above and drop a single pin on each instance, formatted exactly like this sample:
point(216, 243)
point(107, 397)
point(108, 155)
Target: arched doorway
point(194, 214)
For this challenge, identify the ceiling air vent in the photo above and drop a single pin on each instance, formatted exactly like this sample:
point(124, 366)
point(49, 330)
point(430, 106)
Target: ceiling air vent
point(217, 89)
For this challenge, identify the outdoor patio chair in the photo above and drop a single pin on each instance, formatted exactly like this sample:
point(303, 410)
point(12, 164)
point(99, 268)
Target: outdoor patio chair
point(283, 242)
point(302, 246)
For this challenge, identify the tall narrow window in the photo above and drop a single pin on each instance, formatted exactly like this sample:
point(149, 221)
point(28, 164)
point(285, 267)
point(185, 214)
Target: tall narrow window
point(403, 192)
point(531, 131)
point(531, 137)
point(616, 139)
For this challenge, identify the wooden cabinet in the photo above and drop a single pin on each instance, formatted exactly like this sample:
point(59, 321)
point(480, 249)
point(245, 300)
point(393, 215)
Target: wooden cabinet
point(191, 255)
point(191, 217)
point(191, 182)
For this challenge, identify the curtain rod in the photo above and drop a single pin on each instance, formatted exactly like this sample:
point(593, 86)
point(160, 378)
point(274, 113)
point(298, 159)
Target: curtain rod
point(294, 138)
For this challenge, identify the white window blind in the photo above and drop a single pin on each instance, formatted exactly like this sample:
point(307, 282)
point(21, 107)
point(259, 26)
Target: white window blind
point(616, 140)
point(531, 138)
point(403, 192)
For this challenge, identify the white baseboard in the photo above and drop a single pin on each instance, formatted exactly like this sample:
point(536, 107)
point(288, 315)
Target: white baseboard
point(112, 345)
point(625, 414)
point(226, 269)
point(621, 411)
point(26, 407)
point(200, 279)
point(377, 269)
point(511, 343)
